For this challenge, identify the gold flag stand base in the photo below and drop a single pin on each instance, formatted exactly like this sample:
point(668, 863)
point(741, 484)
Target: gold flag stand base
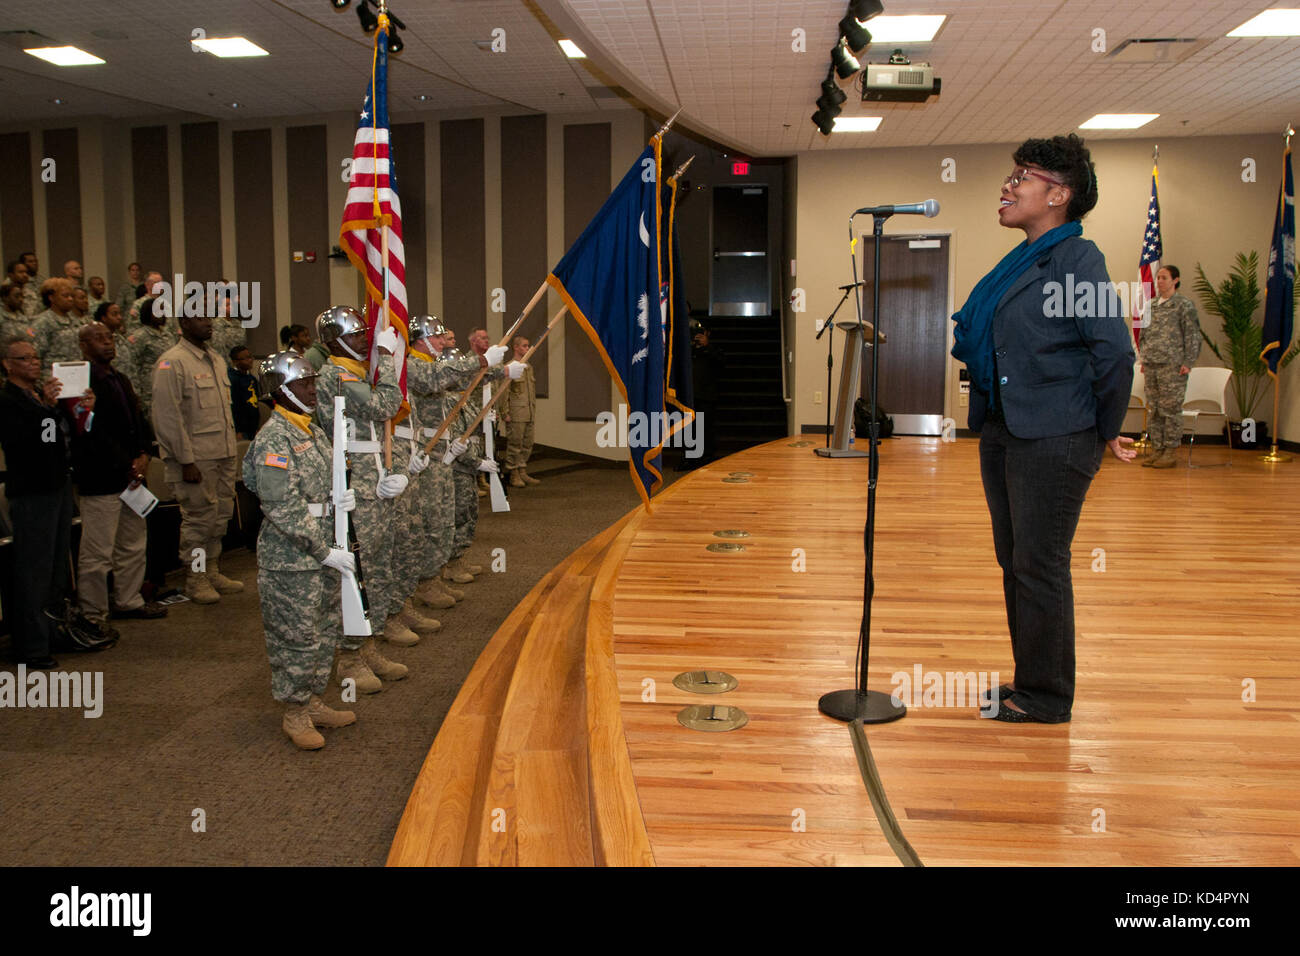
point(1142, 443)
point(1274, 456)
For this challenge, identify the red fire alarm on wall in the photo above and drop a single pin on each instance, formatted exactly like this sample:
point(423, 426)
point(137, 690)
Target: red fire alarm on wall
point(740, 169)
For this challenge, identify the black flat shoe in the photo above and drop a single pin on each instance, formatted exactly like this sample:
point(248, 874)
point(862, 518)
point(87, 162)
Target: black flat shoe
point(1004, 692)
point(1009, 716)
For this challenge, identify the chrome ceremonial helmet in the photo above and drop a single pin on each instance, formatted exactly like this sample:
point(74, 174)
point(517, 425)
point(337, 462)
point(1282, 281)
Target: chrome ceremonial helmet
point(424, 327)
point(338, 321)
point(278, 370)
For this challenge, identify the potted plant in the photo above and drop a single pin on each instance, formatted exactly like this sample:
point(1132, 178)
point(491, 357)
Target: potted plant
point(1236, 300)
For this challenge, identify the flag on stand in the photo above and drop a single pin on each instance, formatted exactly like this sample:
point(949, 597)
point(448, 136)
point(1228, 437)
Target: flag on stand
point(609, 279)
point(373, 209)
point(1279, 301)
point(1148, 263)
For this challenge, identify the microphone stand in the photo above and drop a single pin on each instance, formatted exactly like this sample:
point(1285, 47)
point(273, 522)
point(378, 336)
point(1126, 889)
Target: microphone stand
point(868, 706)
point(830, 358)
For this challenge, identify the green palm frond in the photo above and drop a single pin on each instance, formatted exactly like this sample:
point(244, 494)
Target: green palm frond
point(1235, 301)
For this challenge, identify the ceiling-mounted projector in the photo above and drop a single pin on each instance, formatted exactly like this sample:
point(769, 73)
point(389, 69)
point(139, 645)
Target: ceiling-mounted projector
point(899, 81)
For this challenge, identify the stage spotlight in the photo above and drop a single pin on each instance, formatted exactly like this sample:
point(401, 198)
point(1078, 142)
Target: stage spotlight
point(829, 104)
point(824, 120)
point(832, 92)
point(866, 9)
point(845, 63)
point(369, 22)
point(854, 33)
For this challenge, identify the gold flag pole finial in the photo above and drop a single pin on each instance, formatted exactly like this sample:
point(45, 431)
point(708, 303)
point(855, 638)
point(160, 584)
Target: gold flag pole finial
point(681, 169)
point(1155, 153)
point(669, 122)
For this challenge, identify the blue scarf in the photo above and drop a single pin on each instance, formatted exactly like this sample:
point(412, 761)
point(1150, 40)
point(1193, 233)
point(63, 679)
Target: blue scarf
point(973, 335)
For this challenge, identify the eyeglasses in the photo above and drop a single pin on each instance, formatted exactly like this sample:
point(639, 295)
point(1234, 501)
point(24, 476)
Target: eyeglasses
point(23, 358)
point(1019, 176)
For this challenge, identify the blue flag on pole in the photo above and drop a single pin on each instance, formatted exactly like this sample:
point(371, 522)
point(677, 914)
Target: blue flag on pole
point(1279, 302)
point(609, 279)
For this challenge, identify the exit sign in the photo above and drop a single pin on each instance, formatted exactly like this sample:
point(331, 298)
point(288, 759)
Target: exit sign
point(740, 169)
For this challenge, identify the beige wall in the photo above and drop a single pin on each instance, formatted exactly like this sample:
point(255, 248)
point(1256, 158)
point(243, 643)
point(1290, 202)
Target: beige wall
point(1208, 214)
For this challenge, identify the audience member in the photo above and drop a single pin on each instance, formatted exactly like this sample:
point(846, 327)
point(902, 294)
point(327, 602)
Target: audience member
point(244, 392)
point(80, 302)
point(227, 332)
point(13, 321)
point(72, 270)
point(126, 292)
point(18, 275)
point(98, 291)
point(110, 314)
point(148, 343)
point(58, 326)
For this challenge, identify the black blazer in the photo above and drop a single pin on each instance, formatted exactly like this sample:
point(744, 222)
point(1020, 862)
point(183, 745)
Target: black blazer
point(32, 464)
point(1064, 362)
point(101, 457)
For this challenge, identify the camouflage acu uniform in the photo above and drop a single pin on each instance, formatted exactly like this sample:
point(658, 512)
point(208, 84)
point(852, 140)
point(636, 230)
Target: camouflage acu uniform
point(466, 466)
point(16, 323)
point(124, 362)
point(58, 338)
point(132, 319)
point(428, 383)
point(126, 297)
point(1172, 340)
point(146, 345)
point(375, 518)
point(226, 334)
point(289, 470)
point(32, 304)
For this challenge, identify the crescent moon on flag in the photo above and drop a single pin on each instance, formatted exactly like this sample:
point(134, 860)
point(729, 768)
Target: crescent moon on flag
point(645, 235)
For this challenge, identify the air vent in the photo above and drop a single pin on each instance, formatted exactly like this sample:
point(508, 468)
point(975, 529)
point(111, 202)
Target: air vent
point(1155, 50)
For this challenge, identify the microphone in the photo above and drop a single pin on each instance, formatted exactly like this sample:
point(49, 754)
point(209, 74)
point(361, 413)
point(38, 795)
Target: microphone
point(929, 209)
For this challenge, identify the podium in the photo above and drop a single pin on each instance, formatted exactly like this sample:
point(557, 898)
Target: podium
point(850, 376)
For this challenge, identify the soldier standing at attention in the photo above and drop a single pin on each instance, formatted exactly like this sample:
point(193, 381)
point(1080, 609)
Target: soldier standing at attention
point(289, 467)
point(32, 303)
point(1169, 349)
point(191, 418)
point(13, 321)
point(227, 331)
point(126, 291)
point(347, 373)
point(521, 406)
point(147, 344)
point(58, 328)
point(109, 314)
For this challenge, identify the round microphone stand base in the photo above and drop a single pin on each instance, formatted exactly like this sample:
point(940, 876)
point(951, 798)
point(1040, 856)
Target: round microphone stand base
point(870, 707)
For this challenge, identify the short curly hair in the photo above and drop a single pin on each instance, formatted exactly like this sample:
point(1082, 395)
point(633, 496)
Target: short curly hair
point(1068, 158)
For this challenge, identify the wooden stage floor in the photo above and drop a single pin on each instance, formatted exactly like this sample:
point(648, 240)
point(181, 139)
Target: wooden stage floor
point(1186, 585)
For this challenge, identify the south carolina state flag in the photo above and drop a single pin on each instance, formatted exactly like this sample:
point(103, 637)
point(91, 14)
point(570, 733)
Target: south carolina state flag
point(609, 279)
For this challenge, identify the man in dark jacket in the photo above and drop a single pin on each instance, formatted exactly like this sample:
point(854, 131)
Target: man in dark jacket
point(109, 455)
point(35, 428)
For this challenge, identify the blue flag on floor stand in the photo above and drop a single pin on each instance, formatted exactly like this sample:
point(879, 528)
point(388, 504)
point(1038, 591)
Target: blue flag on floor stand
point(1279, 301)
point(609, 279)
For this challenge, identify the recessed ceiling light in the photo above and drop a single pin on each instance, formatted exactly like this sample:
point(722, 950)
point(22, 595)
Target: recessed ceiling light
point(918, 28)
point(59, 101)
point(1118, 120)
point(234, 106)
point(421, 97)
point(857, 124)
point(230, 47)
point(1270, 23)
point(64, 55)
point(571, 50)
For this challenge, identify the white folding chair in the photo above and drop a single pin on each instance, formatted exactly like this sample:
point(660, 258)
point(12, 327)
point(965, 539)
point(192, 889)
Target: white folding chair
point(1207, 397)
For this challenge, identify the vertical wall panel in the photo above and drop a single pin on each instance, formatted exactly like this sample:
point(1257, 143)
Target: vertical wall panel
point(307, 167)
point(586, 187)
point(408, 168)
point(523, 229)
point(153, 219)
point(464, 265)
point(254, 231)
point(17, 221)
point(201, 200)
point(62, 199)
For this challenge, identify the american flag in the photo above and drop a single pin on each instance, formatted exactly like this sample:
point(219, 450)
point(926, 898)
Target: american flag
point(372, 204)
point(1148, 263)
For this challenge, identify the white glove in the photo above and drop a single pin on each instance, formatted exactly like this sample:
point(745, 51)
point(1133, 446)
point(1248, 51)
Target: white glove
point(347, 502)
point(456, 449)
point(341, 559)
point(390, 486)
point(515, 370)
point(419, 461)
point(490, 466)
point(387, 339)
point(495, 355)
point(492, 415)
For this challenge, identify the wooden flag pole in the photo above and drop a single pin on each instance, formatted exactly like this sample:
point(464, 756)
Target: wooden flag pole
point(506, 386)
point(446, 422)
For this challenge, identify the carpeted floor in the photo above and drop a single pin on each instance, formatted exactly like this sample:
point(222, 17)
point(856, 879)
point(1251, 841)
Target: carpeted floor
point(189, 734)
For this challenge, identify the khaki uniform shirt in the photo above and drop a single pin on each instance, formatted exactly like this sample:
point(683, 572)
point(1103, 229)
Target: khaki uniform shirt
point(522, 400)
point(191, 405)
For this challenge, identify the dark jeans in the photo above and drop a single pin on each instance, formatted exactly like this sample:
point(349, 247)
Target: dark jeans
point(1035, 490)
point(42, 532)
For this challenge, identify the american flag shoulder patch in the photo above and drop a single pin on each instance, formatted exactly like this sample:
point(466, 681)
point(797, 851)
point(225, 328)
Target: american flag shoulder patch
point(164, 364)
point(277, 461)
point(348, 377)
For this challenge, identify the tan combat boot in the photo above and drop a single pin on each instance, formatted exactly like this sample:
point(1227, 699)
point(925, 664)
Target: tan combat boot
point(1166, 459)
point(456, 594)
point(474, 569)
point(351, 666)
point(323, 715)
point(398, 634)
point(528, 479)
point(416, 621)
point(199, 590)
point(297, 724)
point(220, 583)
point(381, 665)
point(452, 571)
point(430, 595)
point(517, 478)
point(482, 486)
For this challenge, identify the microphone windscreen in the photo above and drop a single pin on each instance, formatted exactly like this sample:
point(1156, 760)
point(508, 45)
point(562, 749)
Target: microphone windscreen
point(931, 208)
